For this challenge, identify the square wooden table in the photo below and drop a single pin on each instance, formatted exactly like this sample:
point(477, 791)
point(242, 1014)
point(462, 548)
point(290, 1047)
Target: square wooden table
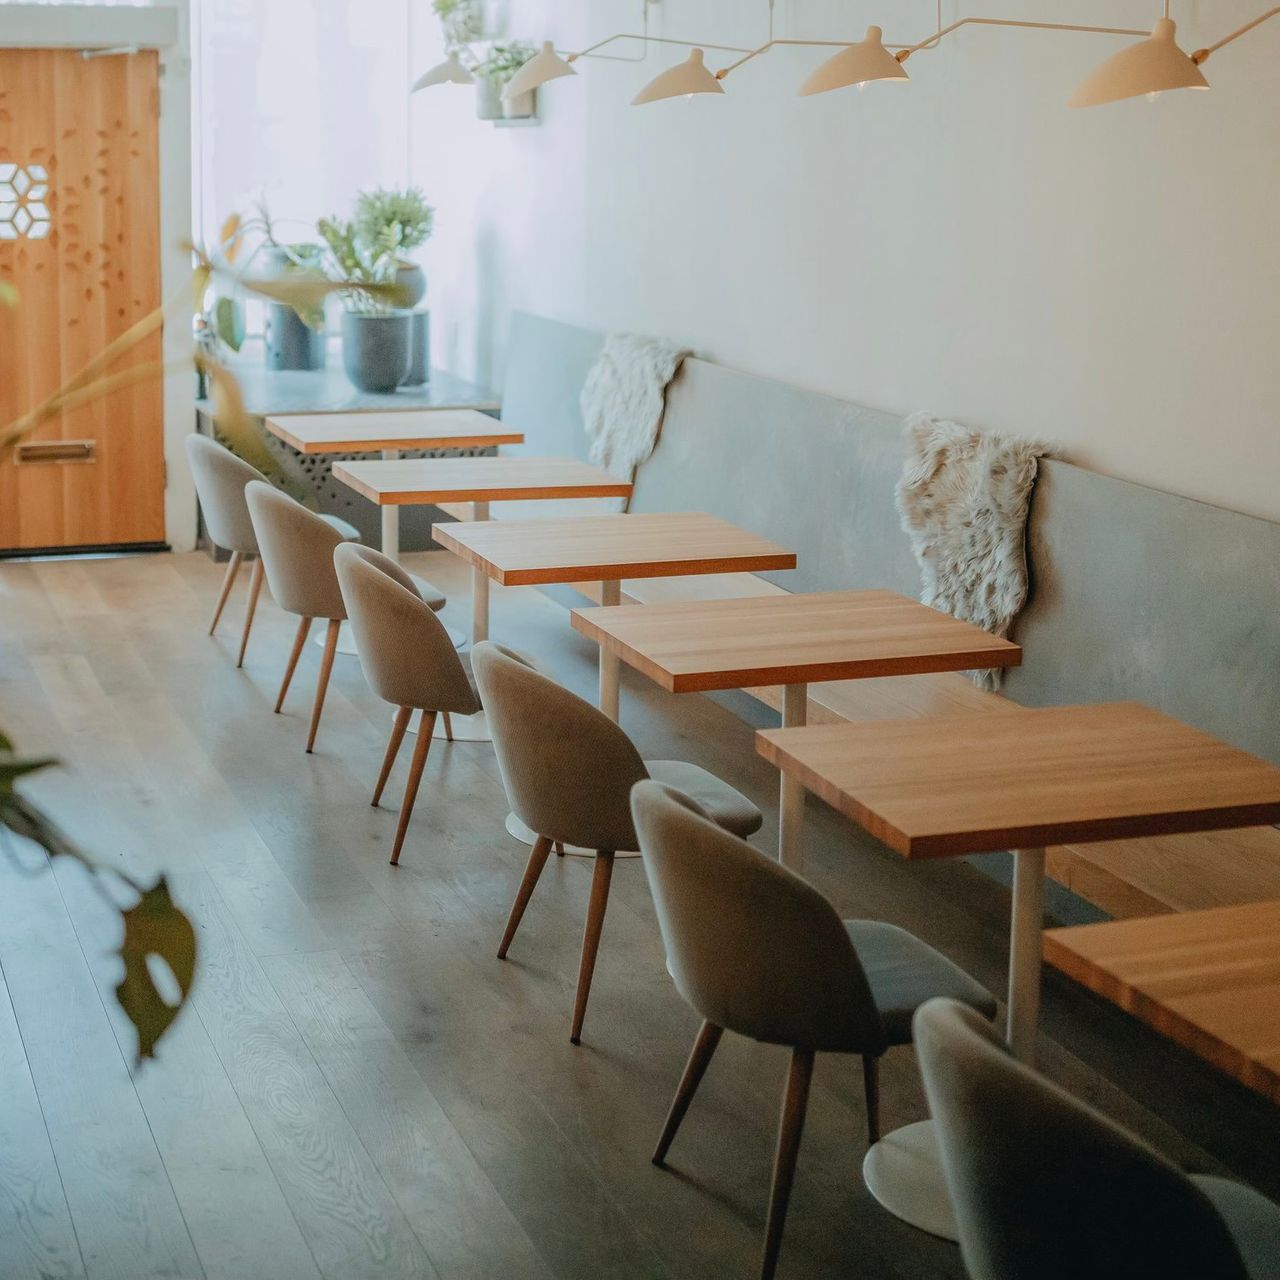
point(1209, 980)
point(389, 432)
point(607, 549)
point(478, 481)
point(951, 785)
point(790, 640)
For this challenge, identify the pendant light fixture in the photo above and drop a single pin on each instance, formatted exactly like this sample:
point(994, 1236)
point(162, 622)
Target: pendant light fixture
point(681, 81)
point(1152, 66)
point(544, 66)
point(858, 64)
point(450, 71)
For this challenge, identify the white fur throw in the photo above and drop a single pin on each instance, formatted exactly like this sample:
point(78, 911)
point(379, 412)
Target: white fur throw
point(624, 398)
point(963, 498)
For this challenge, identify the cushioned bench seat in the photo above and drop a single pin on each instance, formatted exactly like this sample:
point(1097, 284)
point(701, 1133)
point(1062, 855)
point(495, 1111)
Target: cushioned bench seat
point(1172, 873)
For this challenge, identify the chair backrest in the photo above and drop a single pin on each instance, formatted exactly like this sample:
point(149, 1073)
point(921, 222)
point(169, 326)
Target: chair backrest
point(220, 478)
point(405, 651)
point(568, 769)
point(297, 553)
point(1043, 1185)
point(751, 946)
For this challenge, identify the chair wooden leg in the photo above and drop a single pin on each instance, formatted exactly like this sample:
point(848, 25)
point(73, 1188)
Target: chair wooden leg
point(322, 685)
point(790, 1128)
point(426, 730)
point(591, 939)
point(448, 727)
point(304, 628)
point(398, 727)
point(537, 860)
point(233, 567)
point(251, 605)
point(871, 1088)
point(699, 1060)
point(559, 848)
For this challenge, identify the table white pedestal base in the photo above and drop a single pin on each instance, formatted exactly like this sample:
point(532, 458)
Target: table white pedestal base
point(904, 1169)
point(346, 641)
point(527, 835)
point(904, 1173)
point(465, 728)
point(795, 713)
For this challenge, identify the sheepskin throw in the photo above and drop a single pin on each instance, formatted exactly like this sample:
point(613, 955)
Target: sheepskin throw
point(963, 499)
point(624, 398)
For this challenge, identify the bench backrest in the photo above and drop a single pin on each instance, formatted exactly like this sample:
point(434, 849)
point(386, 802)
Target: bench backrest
point(1136, 593)
point(547, 364)
point(809, 471)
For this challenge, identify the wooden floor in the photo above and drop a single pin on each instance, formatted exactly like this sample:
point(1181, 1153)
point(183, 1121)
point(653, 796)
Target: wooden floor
point(360, 1089)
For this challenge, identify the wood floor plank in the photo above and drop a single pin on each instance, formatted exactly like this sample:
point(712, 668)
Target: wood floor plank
point(347, 1215)
point(233, 1205)
point(125, 1212)
point(467, 1230)
point(37, 1240)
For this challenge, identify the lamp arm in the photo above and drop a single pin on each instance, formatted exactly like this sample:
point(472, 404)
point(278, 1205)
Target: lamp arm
point(1015, 22)
point(1201, 54)
point(906, 50)
point(590, 50)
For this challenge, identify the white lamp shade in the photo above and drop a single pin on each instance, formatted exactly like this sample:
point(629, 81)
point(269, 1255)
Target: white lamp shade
point(450, 71)
point(686, 78)
point(858, 64)
point(1153, 65)
point(545, 65)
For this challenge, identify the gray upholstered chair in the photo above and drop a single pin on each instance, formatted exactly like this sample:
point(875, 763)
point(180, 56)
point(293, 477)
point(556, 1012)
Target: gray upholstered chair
point(220, 478)
point(407, 657)
point(757, 950)
point(296, 547)
point(568, 771)
point(1044, 1186)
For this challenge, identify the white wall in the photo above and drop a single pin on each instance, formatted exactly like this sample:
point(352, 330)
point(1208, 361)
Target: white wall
point(1108, 280)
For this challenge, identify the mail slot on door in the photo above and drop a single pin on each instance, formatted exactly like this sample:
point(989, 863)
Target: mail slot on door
point(57, 451)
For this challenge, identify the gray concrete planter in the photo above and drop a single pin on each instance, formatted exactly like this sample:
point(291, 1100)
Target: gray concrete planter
point(376, 350)
point(291, 343)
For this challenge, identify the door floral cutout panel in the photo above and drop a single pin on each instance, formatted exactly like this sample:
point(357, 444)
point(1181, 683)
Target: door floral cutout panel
point(24, 190)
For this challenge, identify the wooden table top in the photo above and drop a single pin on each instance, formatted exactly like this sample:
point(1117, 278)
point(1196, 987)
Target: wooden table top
point(790, 639)
point(949, 785)
point(1209, 980)
point(425, 480)
point(604, 548)
point(375, 429)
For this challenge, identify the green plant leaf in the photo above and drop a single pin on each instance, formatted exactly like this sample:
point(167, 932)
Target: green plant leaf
point(228, 322)
point(13, 767)
point(155, 927)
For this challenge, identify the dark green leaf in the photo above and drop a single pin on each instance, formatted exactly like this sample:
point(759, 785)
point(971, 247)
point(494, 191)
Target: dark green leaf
point(155, 927)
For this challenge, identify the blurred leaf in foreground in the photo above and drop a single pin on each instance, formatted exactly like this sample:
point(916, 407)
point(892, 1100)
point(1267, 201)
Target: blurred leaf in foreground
point(155, 928)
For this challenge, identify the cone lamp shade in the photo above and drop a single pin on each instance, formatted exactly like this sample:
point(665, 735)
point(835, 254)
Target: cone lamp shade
point(858, 64)
point(545, 65)
point(1151, 66)
point(450, 71)
point(681, 81)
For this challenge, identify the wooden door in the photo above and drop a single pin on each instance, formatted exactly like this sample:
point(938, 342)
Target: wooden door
point(79, 238)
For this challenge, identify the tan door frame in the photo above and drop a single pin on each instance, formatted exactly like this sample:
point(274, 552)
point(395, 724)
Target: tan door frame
point(165, 28)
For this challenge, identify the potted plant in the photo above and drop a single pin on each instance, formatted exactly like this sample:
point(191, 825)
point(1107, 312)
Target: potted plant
point(294, 335)
point(369, 249)
point(493, 72)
